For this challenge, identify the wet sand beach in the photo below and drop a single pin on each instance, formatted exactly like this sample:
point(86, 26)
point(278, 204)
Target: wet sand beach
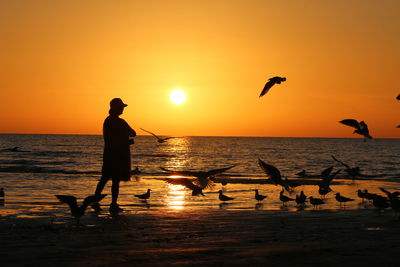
point(205, 238)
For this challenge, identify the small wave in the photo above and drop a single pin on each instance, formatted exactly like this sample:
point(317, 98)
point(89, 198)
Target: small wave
point(57, 153)
point(36, 169)
point(155, 155)
point(34, 162)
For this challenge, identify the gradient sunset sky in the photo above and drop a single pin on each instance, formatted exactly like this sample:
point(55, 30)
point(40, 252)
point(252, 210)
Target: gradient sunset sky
point(61, 62)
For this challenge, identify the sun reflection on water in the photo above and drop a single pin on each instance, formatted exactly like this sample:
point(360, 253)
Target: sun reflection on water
point(175, 197)
point(181, 148)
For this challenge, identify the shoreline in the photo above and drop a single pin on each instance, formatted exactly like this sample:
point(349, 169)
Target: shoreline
point(201, 237)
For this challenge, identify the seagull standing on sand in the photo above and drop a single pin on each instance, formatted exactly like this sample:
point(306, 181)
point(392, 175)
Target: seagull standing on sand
point(301, 199)
point(196, 190)
point(316, 201)
point(204, 178)
point(361, 127)
point(159, 139)
point(342, 199)
point(259, 197)
point(144, 196)
point(79, 211)
point(223, 197)
point(271, 82)
point(380, 202)
point(361, 194)
point(284, 198)
point(273, 174)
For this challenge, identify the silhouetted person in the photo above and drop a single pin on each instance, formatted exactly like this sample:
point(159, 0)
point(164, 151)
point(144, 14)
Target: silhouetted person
point(117, 155)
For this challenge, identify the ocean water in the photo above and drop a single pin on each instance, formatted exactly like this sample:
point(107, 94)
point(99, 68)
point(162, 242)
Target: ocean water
point(71, 164)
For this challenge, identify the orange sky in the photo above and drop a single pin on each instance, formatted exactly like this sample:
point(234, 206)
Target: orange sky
point(61, 62)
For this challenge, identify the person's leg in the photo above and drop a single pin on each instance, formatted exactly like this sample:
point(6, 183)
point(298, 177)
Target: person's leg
point(100, 185)
point(115, 190)
point(114, 207)
point(99, 188)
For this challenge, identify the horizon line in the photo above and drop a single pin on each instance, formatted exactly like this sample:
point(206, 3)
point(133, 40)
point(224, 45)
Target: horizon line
point(238, 136)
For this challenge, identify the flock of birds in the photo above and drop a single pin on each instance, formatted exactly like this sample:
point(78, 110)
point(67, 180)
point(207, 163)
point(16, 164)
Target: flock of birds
point(197, 181)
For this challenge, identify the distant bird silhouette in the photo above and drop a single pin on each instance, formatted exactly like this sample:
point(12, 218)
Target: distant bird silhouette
point(327, 177)
point(284, 198)
point(380, 202)
point(352, 172)
point(361, 194)
point(196, 190)
point(79, 211)
point(301, 199)
point(398, 97)
point(159, 139)
point(271, 82)
point(204, 178)
point(369, 196)
point(301, 174)
point(145, 195)
point(273, 174)
point(361, 127)
point(223, 197)
point(259, 197)
point(2, 194)
point(342, 199)
point(136, 171)
point(390, 194)
point(316, 201)
point(393, 199)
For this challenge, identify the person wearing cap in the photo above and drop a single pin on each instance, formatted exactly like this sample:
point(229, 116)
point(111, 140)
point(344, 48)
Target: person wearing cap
point(117, 156)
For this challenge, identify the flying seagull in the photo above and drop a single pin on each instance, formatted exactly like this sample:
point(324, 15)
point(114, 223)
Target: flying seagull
point(360, 127)
point(196, 190)
point(270, 83)
point(273, 174)
point(353, 172)
point(79, 211)
point(327, 177)
point(398, 97)
point(204, 178)
point(159, 139)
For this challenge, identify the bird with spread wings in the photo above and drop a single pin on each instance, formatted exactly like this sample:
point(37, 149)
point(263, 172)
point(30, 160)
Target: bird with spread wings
point(204, 178)
point(271, 82)
point(159, 139)
point(274, 174)
point(361, 127)
point(79, 211)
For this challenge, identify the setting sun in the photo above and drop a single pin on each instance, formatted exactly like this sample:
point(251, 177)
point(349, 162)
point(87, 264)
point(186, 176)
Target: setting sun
point(177, 96)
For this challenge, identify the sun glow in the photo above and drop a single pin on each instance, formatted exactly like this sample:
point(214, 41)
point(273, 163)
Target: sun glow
point(177, 96)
